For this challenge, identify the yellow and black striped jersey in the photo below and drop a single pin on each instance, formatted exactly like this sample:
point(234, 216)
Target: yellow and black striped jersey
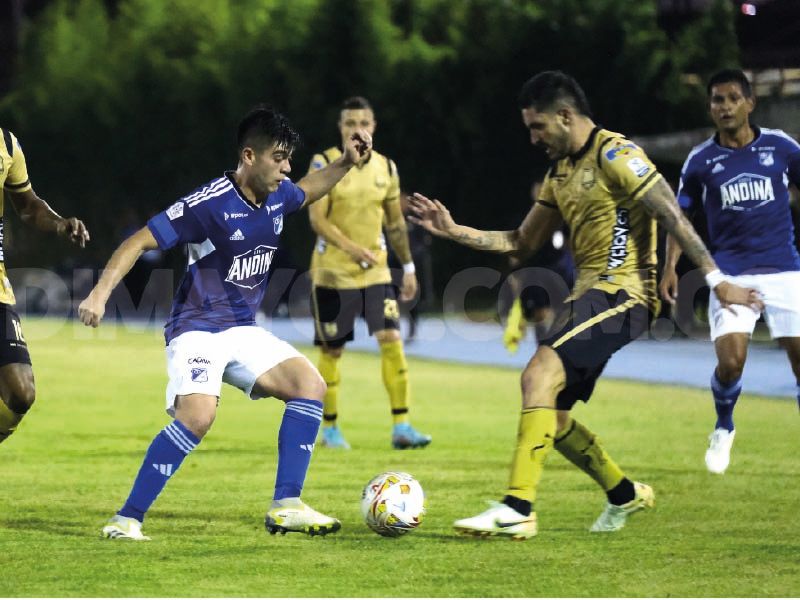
point(356, 206)
point(13, 178)
point(613, 238)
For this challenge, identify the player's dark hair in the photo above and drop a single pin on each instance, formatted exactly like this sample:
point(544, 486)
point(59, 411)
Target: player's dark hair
point(264, 126)
point(356, 103)
point(731, 76)
point(545, 90)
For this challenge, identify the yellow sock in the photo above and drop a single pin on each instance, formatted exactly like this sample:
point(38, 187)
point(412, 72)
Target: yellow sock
point(8, 421)
point(329, 369)
point(537, 428)
point(395, 378)
point(582, 448)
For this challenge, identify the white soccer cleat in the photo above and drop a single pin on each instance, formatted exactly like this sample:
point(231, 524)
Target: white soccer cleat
point(124, 528)
point(500, 519)
point(718, 455)
point(298, 516)
point(614, 516)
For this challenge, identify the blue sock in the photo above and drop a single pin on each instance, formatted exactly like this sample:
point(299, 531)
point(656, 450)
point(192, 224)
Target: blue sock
point(296, 437)
point(725, 397)
point(163, 457)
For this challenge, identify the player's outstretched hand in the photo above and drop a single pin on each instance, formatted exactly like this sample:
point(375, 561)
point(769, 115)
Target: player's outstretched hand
point(668, 287)
point(730, 293)
point(431, 215)
point(358, 147)
point(91, 311)
point(74, 230)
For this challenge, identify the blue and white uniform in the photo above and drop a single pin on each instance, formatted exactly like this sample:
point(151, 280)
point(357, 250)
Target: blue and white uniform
point(211, 334)
point(744, 194)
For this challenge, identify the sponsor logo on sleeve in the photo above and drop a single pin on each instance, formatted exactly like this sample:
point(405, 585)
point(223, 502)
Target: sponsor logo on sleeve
point(638, 166)
point(620, 150)
point(175, 211)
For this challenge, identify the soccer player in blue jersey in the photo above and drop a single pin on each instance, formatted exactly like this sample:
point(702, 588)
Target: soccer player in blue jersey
point(232, 228)
point(740, 179)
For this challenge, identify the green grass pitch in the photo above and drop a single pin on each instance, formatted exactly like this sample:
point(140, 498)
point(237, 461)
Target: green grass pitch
point(100, 402)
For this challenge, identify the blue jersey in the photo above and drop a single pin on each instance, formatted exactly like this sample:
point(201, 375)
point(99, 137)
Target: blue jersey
point(744, 193)
point(230, 246)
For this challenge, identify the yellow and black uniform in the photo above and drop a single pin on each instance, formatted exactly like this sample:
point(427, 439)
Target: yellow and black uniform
point(342, 288)
point(13, 178)
point(598, 192)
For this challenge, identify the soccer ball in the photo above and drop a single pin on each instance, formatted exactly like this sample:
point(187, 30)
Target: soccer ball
point(393, 504)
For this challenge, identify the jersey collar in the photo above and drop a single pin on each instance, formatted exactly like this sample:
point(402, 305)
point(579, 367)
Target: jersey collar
point(239, 192)
point(585, 148)
point(756, 136)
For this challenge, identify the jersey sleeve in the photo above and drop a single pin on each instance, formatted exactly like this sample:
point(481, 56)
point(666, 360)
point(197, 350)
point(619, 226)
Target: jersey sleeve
point(176, 225)
point(546, 195)
point(17, 179)
point(628, 166)
point(689, 188)
point(393, 191)
point(291, 195)
point(793, 163)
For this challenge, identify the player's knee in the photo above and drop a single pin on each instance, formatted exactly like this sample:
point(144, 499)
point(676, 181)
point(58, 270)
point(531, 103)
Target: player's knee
point(386, 336)
point(21, 396)
point(730, 367)
point(333, 352)
point(313, 387)
point(198, 423)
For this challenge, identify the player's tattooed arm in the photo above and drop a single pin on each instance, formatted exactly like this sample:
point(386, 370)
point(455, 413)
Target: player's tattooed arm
point(396, 230)
point(537, 227)
point(661, 203)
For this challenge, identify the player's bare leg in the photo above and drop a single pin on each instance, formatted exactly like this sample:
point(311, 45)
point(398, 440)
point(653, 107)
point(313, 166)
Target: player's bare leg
point(299, 384)
point(792, 347)
point(726, 385)
point(17, 395)
point(394, 369)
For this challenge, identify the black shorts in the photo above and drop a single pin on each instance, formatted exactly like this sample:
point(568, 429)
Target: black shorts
point(335, 312)
point(588, 332)
point(13, 348)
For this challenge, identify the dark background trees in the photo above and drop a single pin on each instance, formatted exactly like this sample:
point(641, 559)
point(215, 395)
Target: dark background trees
point(125, 106)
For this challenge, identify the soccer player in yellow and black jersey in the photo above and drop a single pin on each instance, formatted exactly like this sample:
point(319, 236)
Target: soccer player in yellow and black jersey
point(17, 390)
point(351, 277)
point(610, 195)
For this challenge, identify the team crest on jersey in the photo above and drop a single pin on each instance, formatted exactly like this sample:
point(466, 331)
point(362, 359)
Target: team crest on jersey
point(249, 270)
point(766, 159)
point(587, 178)
point(277, 222)
point(746, 192)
